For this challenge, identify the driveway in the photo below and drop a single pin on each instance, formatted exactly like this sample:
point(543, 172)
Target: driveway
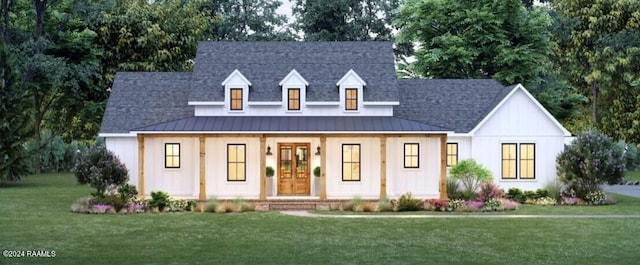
point(629, 190)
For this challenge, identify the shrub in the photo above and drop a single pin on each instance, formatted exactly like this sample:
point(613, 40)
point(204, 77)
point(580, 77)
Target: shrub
point(369, 207)
point(631, 155)
point(82, 205)
point(591, 160)
point(553, 189)
point(317, 171)
point(352, 204)
point(408, 203)
point(226, 207)
point(571, 201)
point(243, 206)
point(541, 193)
point(544, 201)
point(474, 205)
point(384, 205)
point(438, 205)
point(127, 192)
point(492, 205)
point(457, 204)
point(488, 191)
point(516, 195)
point(470, 174)
point(113, 200)
point(509, 205)
point(159, 199)
point(595, 197)
point(211, 206)
point(453, 189)
point(269, 171)
point(100, 168)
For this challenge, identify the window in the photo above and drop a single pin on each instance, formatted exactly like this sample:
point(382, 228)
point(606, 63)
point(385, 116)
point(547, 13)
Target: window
point(452, 154)
point(351, 99)
point(509, 158)
point(236, 166)
point(294, 99)
point(236, 99)
point(172, 155)
point(350, 162)
point(527, 161)
point(411, 157)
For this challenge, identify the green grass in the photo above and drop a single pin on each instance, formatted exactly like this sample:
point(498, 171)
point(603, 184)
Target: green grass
point(633, 176)
point(35, 216)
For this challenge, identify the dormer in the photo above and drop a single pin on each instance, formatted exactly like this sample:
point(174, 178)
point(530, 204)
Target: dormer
point(351, 92)
point(294, 88)
point(236, 92)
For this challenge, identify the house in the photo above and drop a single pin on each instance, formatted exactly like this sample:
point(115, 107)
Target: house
point(295, 106)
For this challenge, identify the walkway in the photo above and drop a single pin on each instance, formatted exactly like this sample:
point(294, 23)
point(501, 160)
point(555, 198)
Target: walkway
point(629, 190)
point(511, 216)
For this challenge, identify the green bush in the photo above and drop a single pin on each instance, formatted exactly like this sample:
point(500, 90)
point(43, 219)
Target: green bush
point(384, 205)
point(269, 171)
point(591, 160)
point(211, 206)
point(470, 174)
point(101, 169)
point(453, 189)
point(112, 199)
point(317, 171)
point(407, 203)
point(159, 199)
point(127, 192)
point(516, 195)
point(353, 204)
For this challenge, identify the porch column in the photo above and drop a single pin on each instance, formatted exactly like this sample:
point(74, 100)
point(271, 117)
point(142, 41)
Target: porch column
point(203, 177)
point(323, 168)
point(443, 166)
point(263, 170)
point(383, 167)
point(140, 166)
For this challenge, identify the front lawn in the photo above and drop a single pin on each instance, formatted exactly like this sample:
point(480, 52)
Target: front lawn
point(35, 216)
point(632, 176)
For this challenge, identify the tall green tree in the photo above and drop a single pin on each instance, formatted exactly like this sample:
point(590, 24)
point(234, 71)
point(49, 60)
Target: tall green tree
point(598, 51)
point(498, 39)
point(345, 20)
point(255, 20)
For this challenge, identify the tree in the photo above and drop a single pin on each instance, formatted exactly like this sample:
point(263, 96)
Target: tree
point(240, 20)
point(470, 174)
point(477, 39)
point(14, 121)
point(351, 20)
point(101, 169)
point(591, 160)
point(598, 45)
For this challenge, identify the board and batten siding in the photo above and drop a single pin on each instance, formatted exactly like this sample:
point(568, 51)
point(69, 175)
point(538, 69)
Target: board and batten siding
point(126, 149)
point(519, 120)
point(178, 182)
point(217, 184)
point(422, 182)
point(369, 185)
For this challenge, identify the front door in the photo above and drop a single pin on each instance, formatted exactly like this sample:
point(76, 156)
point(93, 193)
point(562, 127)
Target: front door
point(293, 169)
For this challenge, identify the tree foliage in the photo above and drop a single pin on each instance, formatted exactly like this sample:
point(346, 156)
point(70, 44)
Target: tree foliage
point(477, 39)
point(598, 51)
point(240, 20)
point(471, 175)
point(350, 20)
point(591, 160)
point(101, 169)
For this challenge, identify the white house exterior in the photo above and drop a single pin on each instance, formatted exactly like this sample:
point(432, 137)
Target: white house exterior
point(295, 106)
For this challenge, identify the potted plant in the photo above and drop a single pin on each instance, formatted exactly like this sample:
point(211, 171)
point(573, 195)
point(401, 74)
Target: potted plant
point(316, 172)
point(269, 172)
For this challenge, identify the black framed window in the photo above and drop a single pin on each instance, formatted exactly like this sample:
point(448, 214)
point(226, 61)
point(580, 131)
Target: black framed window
point(527, 161)
point(172, 155)
point(236, 162)
point(509, 161)
point(351, 162)
point(236, 99)
point(452, 154)
point(351, 99)
point(293, 99)
point(411, 155)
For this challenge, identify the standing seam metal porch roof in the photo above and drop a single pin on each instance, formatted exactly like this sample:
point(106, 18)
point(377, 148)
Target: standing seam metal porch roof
point(301, 124)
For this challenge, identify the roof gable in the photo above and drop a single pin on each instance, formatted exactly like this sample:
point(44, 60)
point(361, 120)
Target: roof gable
point(351, 78)
point(513, 90)
point(236, 78)
point(293, 78)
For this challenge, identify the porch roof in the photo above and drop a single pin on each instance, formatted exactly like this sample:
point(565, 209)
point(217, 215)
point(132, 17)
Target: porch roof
point(289, 124)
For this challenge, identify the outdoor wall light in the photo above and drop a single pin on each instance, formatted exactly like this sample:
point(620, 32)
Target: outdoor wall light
point(269, 150)
point(318, 151)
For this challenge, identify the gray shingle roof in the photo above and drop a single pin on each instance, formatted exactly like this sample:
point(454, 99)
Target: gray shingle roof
point(457, 104)
point(291, 124)
point(141, 98)
point(322, 64)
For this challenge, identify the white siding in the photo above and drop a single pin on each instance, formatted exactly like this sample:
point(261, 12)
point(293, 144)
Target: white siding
point(179, 182)
point(422, 182)
point(126, 148)
point(519, 120)
point(369, 184)
point(216, 168)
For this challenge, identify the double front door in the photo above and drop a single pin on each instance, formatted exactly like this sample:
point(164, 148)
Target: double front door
point(293, 169)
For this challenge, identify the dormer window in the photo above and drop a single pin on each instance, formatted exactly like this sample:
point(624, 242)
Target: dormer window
point(236, 99)
point(293, 101)
point(351, 91)
point(351, 99)
point(294, 88)
point(236, 91)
